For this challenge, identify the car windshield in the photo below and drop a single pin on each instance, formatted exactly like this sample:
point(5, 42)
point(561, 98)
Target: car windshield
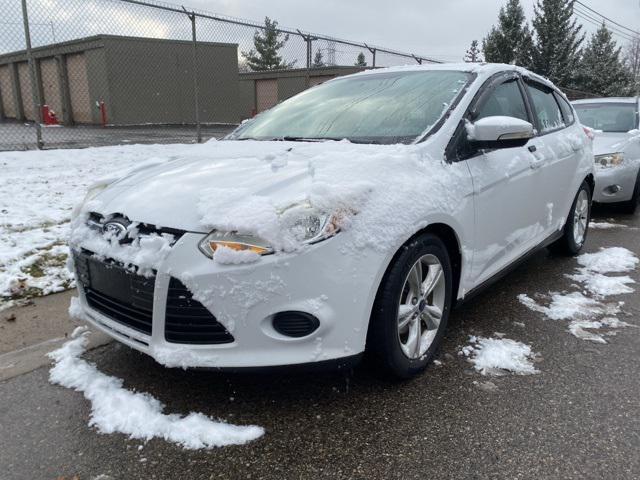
point(386, 108)
point(608, 117)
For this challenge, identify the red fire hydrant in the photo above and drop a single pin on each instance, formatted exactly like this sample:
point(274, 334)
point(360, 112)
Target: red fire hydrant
point(49, 116)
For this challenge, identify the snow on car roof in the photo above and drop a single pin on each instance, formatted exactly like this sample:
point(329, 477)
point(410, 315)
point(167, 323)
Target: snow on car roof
point(481, 69)
point(606, 100)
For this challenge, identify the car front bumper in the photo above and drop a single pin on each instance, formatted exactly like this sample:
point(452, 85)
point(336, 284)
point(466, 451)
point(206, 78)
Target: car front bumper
point(615, 184)
point(325, 280)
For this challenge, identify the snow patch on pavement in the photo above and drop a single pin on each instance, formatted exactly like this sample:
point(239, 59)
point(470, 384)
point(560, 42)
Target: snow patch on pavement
point(38, 192)
point(609, 260)
point(580, 328)
point(605, 225)
point(115, 409)
point(584, 311)
point(498, 356)
point(568, 306)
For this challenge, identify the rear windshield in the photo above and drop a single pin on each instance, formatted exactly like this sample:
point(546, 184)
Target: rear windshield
point(389, 107)
point(608, 117)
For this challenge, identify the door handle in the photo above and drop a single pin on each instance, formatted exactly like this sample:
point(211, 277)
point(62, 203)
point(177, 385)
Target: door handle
point(532, 148)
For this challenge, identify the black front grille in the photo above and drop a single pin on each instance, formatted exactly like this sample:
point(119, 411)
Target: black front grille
point(97, 220)
point(116, 292)
point(188, 321)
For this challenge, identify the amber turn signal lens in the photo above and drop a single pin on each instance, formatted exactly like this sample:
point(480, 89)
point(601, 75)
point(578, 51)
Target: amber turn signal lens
point(238, 247)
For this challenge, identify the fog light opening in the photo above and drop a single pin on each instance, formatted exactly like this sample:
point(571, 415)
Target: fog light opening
point(612, 189)
point(295, 324)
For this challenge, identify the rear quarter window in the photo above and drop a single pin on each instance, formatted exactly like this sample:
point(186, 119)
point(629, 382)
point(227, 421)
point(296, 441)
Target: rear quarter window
point(547, 111)
point(567, 110)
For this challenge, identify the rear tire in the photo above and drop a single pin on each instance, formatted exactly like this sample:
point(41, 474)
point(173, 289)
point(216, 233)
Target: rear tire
point(411, 309)
point(631, 206)
point(575, 230)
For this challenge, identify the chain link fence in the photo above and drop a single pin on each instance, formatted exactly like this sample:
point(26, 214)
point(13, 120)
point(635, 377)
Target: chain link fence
point(77, 73)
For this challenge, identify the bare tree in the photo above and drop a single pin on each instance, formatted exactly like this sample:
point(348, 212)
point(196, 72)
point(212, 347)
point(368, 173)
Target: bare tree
point(632, 61)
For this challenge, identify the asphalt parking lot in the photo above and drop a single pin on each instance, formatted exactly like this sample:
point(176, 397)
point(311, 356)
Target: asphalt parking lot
point(578, 418)
point(22, 136)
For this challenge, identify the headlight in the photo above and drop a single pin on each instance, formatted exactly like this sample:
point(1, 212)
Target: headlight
point(609, 159)
point(92, 193)
point(305, 225)
point(300, 225)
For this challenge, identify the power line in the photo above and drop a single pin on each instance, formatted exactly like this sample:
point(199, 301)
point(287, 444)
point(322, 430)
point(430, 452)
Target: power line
point(635, 32)
point(594, 21)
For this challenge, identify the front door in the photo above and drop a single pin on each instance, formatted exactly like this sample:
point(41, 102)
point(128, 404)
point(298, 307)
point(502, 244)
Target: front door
point(505, 182)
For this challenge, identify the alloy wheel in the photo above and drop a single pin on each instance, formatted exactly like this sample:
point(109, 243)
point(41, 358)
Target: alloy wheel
point(581, 217)
point(421, 306)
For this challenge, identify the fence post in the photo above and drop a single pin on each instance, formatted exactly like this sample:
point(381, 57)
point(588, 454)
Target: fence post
point(192, 17)
point(35, 89)
point(373, 54)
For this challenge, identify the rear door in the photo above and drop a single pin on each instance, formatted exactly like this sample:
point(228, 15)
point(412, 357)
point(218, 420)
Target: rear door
point(559, 148)
point(507, 222)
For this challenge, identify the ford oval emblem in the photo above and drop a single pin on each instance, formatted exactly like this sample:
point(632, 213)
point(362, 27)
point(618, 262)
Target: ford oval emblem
point(114, 229)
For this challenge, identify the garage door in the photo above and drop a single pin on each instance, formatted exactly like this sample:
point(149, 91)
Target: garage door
point(266, 94)
point(25, 91)
point(51, 85)
point(318, 80)
point(6, 90)
point(81, 107)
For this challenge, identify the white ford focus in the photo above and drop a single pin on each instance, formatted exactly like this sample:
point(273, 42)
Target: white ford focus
point(350, 217)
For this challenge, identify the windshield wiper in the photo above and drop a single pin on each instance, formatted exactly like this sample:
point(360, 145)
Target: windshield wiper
point(288, 138)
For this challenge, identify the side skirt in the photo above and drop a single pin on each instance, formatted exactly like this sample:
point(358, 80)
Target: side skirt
point(509, 268)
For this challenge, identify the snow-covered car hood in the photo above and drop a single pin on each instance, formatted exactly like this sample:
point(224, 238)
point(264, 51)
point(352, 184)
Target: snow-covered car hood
point(250, 187)
point(206, 188)
point(169, 192)
point(610, 142)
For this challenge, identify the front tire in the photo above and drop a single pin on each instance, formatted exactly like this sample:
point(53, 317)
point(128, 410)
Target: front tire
point(576, 228)
point(412, 307)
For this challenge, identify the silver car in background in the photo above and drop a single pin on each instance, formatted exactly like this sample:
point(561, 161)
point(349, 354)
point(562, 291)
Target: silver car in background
point(616, 148)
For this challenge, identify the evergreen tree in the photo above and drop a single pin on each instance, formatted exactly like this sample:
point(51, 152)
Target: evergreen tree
point(360, 61)
point(510, 41)
point(601, 69)
point(556, 52)
point(473, 53)
point(267, 43)
point(318, 61)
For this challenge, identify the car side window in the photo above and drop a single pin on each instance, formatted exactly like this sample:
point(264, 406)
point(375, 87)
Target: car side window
point(546, 108)
point(506, 100)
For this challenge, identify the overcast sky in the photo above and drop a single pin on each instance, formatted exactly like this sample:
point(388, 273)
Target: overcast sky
point(441, 29)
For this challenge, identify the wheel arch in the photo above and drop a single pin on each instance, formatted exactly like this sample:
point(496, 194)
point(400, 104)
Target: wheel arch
point(450, 238)
point(591, 181)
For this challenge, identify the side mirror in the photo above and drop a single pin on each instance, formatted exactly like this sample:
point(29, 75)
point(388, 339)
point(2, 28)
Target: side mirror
point(499, 132)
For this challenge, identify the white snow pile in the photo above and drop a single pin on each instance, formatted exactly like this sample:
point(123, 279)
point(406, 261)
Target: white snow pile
point(568, 305)
point(595, 276)
point(228, 256)
point(115, 409)
point(498, 356)
point(606, 225)
point(609, 260)
point(143, 255)
point(580, 328)
point(319, 179)
point(38, 192)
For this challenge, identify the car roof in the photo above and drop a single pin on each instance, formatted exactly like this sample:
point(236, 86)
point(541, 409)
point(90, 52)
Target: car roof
point(606, 100)
point(483, 69)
